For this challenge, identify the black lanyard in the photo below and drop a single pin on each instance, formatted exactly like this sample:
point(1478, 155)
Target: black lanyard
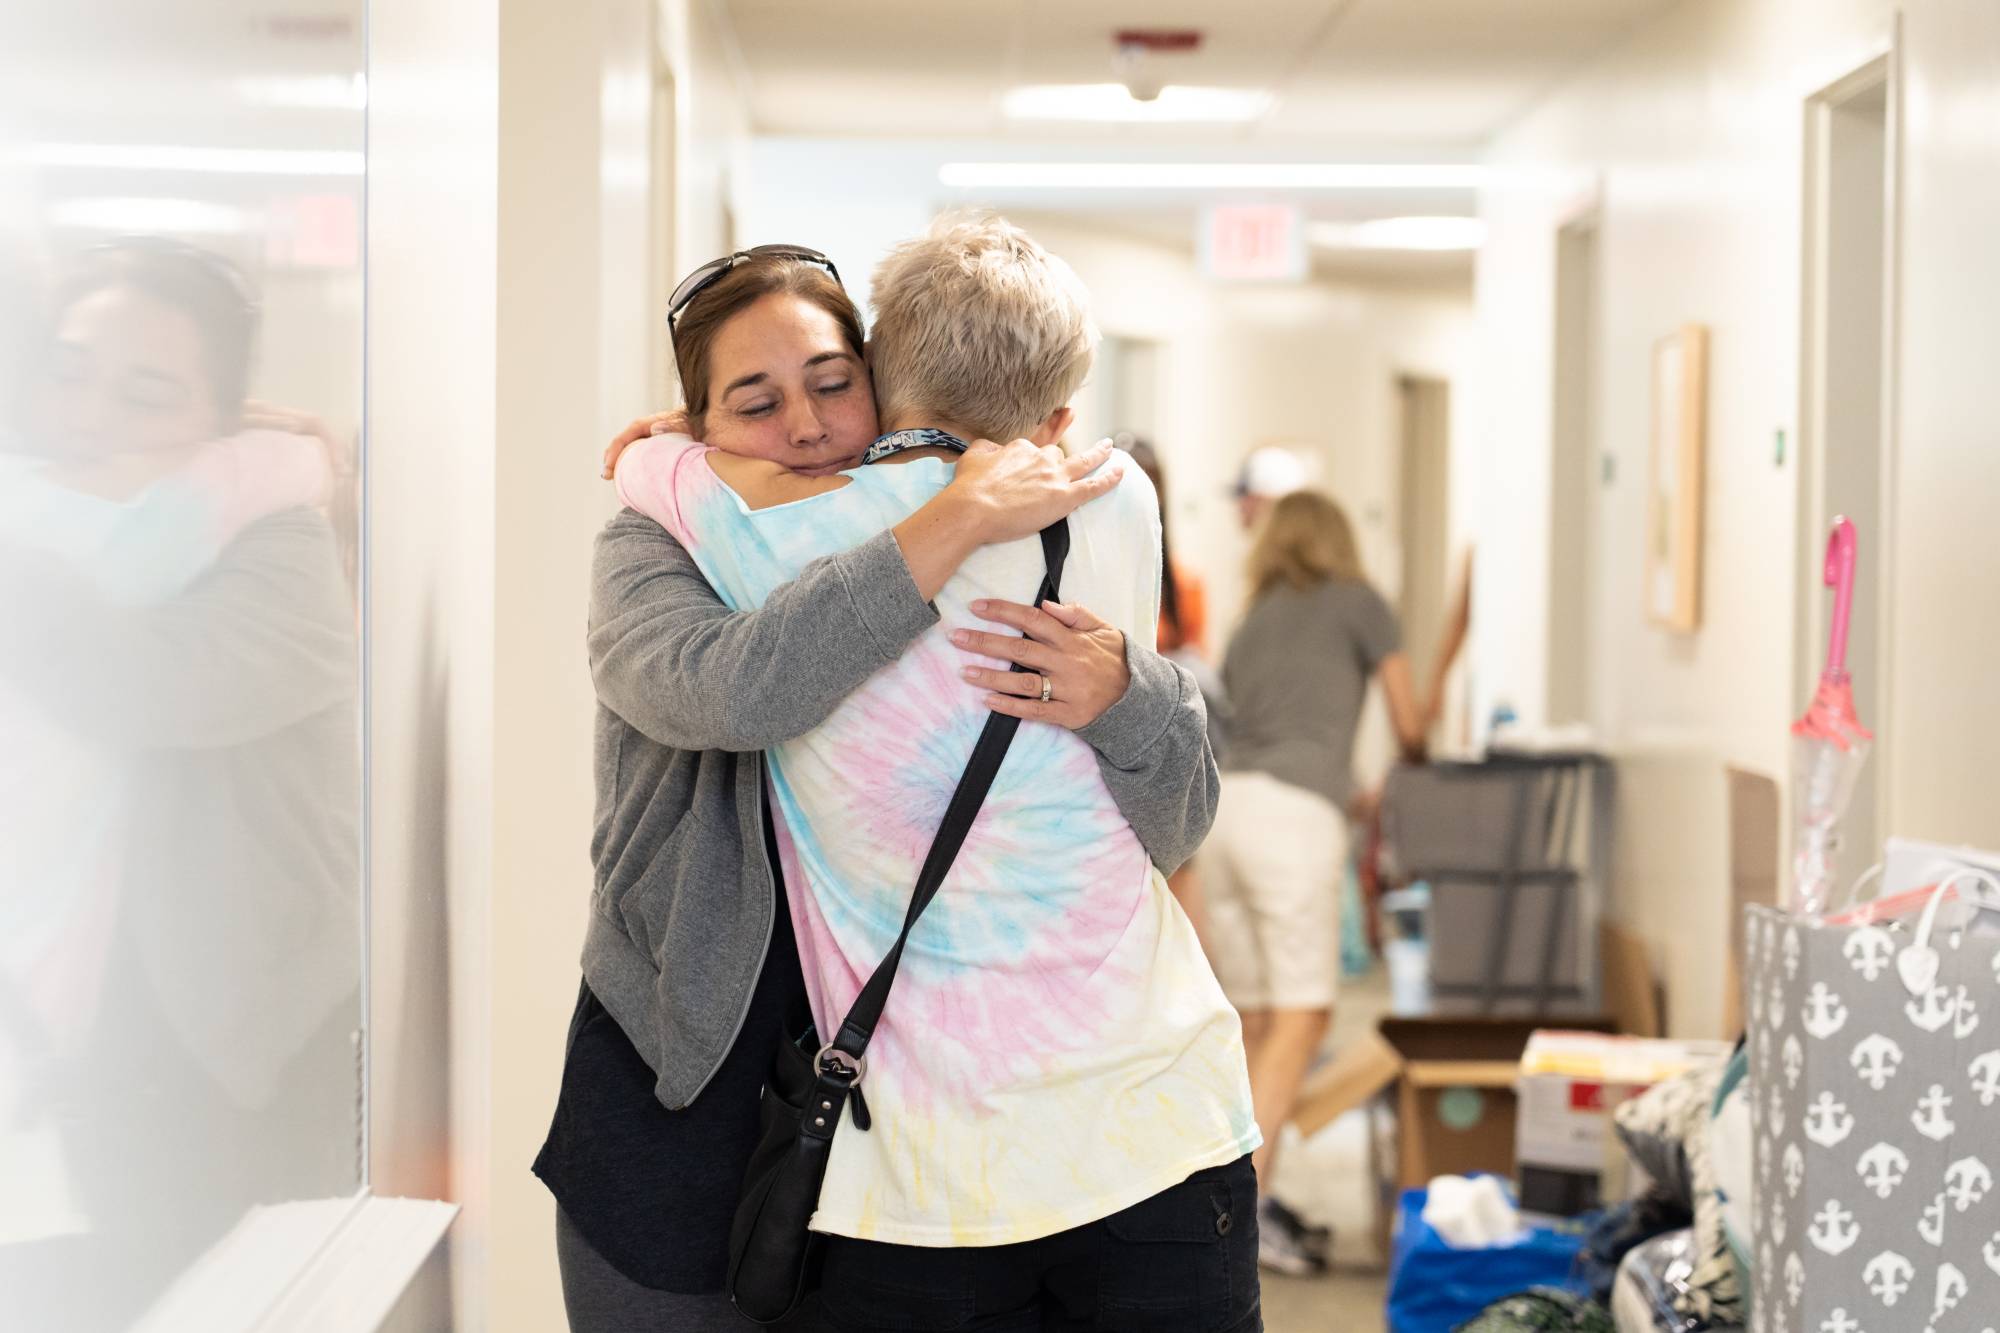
point(899, 441)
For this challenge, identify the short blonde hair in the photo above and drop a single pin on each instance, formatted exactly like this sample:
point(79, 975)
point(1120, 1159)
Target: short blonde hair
point(1305, 539)
point(978, 326)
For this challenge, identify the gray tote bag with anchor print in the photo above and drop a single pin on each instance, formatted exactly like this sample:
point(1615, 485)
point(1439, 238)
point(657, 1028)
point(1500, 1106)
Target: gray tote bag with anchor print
point(1875, 1066)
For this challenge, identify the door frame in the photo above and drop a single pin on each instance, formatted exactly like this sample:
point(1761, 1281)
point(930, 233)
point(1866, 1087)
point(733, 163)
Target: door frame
point(1576, 454)
point(1812, 607)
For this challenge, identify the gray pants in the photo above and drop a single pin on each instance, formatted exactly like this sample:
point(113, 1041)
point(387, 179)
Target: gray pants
point(600, 1299)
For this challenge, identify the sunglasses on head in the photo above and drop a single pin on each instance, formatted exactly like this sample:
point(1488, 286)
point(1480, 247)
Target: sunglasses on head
point(699, 281)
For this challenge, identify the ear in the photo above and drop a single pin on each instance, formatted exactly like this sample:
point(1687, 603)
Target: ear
point(1053, 427)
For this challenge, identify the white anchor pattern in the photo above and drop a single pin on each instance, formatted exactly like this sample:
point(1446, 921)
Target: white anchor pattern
point(1876, 1058)
point(1888, 1275)
point(1875, 1124)
point(1931, 1225)
point(1882, 1168)
point(1985, 1072)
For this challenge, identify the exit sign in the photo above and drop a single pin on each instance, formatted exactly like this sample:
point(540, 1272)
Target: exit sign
point(1253, 243)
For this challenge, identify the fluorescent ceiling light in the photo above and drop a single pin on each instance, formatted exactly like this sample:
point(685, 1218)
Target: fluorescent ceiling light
point(180, 217)
point(1177, 103)
point(178, 157)
point(318, 92)
point(1209, 176)
point(1399, 234)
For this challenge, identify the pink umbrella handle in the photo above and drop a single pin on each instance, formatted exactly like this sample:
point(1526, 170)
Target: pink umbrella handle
point(1839, 575)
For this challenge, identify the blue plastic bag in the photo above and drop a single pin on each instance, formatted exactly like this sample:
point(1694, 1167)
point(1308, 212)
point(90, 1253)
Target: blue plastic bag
point(1434, 1288)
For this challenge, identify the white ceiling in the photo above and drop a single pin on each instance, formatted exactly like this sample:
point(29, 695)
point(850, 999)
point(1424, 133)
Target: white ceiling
point(1437, 76)
point(1406, 80)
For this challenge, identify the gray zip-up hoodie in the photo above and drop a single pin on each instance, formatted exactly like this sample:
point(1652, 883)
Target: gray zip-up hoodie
point(689, 695)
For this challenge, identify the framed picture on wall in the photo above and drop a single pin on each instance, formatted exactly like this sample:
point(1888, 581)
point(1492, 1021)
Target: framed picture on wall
point(1674, 480)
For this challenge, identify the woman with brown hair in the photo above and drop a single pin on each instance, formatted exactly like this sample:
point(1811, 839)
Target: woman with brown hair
point(1183, 594)
point(690, 969)
point(1296, 672)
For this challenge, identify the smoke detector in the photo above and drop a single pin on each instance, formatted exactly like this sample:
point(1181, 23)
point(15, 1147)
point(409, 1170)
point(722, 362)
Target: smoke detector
point(1134, 49)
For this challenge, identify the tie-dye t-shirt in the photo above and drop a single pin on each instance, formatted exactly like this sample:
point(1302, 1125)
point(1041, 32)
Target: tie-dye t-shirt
point(1055, 1048)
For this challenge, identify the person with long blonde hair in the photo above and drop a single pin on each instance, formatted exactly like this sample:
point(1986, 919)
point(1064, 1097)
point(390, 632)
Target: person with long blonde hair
point(1296, 673)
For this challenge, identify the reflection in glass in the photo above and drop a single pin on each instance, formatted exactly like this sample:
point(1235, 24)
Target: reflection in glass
point(180, 790)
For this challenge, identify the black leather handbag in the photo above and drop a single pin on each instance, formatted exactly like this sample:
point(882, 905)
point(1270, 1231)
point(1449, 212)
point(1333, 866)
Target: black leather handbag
point(773, 1255)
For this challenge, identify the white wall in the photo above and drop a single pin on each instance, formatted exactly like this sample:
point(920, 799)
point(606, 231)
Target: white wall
point(1687, 139)
point(712, 129)
point(575, 121)
point(510, 323)
point(431, 310)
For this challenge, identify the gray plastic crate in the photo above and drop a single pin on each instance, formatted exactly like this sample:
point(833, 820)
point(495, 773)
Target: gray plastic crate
point(1514, 848)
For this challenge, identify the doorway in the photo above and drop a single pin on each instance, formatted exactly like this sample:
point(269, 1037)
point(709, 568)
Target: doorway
point(1426, 516)
point(1122, 393)
point(1846, 452)
point(1572, 477)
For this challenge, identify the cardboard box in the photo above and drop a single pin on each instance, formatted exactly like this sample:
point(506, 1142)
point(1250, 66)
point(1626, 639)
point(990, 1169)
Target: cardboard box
point(1453, 1082)
point(1753, 872)
point(1455, 1100)
point(1352, 1078)
point(1569, 1084)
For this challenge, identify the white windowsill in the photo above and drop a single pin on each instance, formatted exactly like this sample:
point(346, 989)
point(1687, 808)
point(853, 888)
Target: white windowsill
point(316, 1266)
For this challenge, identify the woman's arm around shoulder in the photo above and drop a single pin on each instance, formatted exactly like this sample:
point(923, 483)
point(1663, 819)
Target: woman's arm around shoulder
point(655, 474)
point(672, 660)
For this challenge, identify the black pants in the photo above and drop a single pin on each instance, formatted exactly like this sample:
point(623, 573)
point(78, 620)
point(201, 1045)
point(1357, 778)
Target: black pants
point(1183, 1261)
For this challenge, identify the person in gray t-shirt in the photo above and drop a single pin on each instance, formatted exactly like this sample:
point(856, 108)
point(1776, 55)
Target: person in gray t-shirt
point(1296, 674)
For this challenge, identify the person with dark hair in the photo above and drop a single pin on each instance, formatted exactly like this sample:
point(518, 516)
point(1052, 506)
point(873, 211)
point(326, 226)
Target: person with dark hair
point(178, 370)
point(1183, 594)
point(1184, 638)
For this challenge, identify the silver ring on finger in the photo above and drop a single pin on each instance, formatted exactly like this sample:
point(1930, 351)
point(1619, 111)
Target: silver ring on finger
point(1047, 689)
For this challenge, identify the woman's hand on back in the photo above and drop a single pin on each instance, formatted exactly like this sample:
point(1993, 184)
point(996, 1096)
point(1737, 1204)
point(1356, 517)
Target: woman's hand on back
point(1015, 490)
point(1081, 658)
point(660, 423)
point(999, 492)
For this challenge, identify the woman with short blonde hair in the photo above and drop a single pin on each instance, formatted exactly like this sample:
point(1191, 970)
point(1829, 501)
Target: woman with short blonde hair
point(1296, 674)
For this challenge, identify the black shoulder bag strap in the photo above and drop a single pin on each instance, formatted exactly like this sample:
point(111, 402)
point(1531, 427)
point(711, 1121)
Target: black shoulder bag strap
point(771, 1246)
point(850, 1044)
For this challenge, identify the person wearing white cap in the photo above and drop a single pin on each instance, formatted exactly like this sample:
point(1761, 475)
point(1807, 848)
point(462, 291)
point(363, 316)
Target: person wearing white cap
point(1315, 637)
point(1270, 472)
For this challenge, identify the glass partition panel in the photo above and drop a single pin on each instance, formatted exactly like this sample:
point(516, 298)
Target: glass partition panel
point(180, 655)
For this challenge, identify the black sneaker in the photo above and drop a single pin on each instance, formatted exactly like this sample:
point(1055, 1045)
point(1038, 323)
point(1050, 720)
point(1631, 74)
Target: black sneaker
point(1287, 1244)
point(1291, 1221)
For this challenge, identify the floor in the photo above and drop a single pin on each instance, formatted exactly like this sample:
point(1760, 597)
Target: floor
point(1326, 1179)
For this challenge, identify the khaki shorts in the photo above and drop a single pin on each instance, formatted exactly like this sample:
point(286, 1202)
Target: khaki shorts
point(1271, 872)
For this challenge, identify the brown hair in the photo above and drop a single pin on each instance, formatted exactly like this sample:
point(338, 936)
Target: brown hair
point(203, 286)
point(1304, 540)
point(1148, 460)
point(753, 279)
